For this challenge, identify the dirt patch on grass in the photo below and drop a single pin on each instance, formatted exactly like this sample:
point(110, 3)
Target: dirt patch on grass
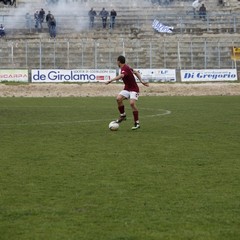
point(100, 89)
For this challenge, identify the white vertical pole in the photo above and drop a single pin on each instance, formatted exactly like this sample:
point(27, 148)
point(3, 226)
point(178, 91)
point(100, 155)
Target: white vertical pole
point(68, 54)
point(40, 55)
point(123, 46)
point(191, 49)
point(219, 55)
point(82, 52)
point(95, 54)
point(150, 54)
point(205, 54)
point(12, 53)
point(26, 53)
point(54, 54)
point(179, 55)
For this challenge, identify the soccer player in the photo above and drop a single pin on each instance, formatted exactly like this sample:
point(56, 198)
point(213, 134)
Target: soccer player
point(130, 91)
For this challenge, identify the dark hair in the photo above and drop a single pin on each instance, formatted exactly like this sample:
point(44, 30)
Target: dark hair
point(121, 59)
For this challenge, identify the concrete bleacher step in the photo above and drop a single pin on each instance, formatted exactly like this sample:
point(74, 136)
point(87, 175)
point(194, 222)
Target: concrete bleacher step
point(129, 17)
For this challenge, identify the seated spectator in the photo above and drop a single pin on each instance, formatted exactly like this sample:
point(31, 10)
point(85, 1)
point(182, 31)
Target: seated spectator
point(2, 31)
point(202, 12)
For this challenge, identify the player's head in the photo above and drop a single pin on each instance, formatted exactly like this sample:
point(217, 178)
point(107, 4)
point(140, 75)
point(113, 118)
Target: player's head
point(121, 60)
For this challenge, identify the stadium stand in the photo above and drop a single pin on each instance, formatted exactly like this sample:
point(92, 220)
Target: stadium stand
point(194, 43)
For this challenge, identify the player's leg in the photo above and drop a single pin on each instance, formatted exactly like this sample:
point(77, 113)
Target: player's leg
point(122, 96)
point(133, 100)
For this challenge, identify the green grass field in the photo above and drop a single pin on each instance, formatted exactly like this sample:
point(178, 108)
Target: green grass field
point(65, 175)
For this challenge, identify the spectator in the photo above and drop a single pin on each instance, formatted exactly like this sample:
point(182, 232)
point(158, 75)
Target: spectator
point(13, 3)
point(2, 31)
point(196, 5)
point(52, 26)
point(92, 14)
point(223, 3)
point(156, 2)
point(41, 17)
point(7, 2)
point(113, 15)
point(202, 12)
point(104, 14)
point(36, 19)
point(48, 17)
point(166, 2)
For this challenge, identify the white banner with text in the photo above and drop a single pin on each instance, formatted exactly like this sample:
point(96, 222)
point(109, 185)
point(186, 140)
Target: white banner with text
point(158, 75)
point(73, 75)
point(14, 75)
point(208, 75)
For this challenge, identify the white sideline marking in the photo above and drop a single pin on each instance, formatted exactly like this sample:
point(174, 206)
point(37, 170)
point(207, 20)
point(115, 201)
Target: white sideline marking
point(162, 113)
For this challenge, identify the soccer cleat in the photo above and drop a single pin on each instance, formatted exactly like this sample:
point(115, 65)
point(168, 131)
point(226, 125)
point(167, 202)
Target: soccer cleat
point(136, 126)
point(121, 118)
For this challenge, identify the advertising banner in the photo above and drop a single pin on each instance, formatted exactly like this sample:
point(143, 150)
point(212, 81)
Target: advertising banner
point(158, 75)
point(74, 75)
point(13, 75)
point(208, 75)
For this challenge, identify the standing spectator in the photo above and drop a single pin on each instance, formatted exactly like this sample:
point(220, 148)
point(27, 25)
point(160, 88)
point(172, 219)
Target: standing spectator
point(7, 2)
point(92, 14)
point(196, 5)
point(104, 14)
point(36, 19)
point(224, 3)
point(48, 18)
point(41, 17)
point(2, 31)
point(13, 3)
point(202, 12)
point(52, 26)
point(113, 15)
point(166, 2)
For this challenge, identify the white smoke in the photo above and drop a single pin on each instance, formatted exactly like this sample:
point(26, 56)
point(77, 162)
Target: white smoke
point(69, 14)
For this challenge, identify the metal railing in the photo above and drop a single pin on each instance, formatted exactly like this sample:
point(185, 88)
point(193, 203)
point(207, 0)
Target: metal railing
point(102, 54)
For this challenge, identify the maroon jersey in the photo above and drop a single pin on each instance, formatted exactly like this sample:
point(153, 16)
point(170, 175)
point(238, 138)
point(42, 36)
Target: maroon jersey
point(129, 79)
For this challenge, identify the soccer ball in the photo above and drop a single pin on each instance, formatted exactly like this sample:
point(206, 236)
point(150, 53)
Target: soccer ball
point(113, 126)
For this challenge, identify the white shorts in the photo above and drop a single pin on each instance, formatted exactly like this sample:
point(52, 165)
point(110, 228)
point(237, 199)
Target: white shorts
point(129, 94)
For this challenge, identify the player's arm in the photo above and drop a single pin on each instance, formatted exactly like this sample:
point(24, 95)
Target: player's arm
point(138, 75)
point(118, 77)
